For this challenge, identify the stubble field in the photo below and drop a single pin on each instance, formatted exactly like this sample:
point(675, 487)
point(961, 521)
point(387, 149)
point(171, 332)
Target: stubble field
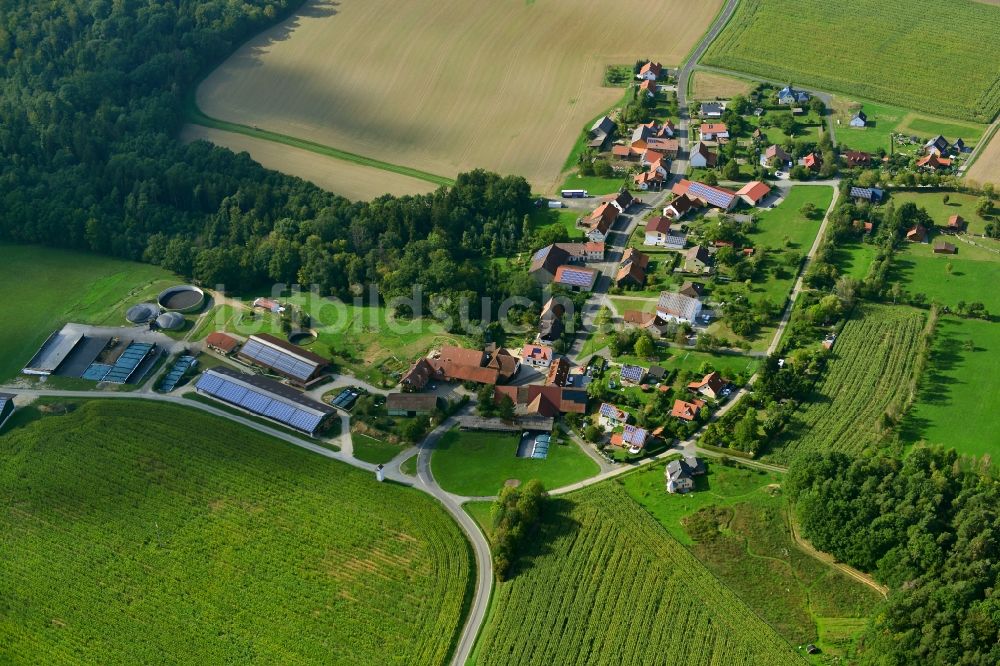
point(448, 85)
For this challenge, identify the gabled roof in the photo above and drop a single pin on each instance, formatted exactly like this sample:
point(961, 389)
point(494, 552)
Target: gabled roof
point(700, 148)
point(608, 410)
point(558, 372)
point(774, 150)
point(632, 255)
point(658, 225)
point(633, 373)
point(651, 67)
point(647, 177)
point(624, 200)
point(678, 305)
point(755, 191)
point(576, 276)
point(418, 374)
point(932, 161)
point(715, 196)
point(711, 108)
point(712, 381)
point(536, 352)
point(812, 160)
point(552, 309)
point(604, 125)
point(648, 86)
point(917, 233)
point(634, 436)
point(682, 204)
point(956, 222)
point(698, 253)
point(692, 289)
point(222, 341)
point(860, 115)
point(713, 128)
point(866, 193)
point(685, 410)
point(548, 259)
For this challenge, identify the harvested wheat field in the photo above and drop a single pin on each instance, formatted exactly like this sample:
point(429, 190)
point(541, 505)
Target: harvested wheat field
point(354, 181)
point(448, 85)
point(986, 168)
point(709, 85)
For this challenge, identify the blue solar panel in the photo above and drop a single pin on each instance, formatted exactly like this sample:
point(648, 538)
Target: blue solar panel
point(278, 360)
point(610, 411)
point(633, 373)
point(711, 195)
point(634, 435)
point(259, 402)
point(541, 253)
point(576, 277)
point(97, 372)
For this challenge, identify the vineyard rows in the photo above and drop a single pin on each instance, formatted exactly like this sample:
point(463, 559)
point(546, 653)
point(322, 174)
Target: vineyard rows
point(873, 361)
point(610, 586)
point(887, 57)
point(133, 533)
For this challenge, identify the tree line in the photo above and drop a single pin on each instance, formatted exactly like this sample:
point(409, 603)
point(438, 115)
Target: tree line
point(92, 99)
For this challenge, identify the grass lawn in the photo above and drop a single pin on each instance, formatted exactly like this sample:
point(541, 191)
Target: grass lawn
point(477, 463)
point(548, 217)
point(675, 358)
point(409, 466)
point(605, 583)
point(65, 286)
point(736, 524)
point(374, 451)
point(970, 276)
point(885, 119)
point(960, 392)
point(205, 539)
point(595, 185)
point(480, 512)
point(933, 202)
point(854, 259)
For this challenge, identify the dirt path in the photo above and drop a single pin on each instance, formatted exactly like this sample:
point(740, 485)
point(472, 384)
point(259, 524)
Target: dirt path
point(830, 560)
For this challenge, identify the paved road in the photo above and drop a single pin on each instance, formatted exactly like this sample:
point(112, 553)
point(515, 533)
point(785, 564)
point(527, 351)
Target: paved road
point(481, 547)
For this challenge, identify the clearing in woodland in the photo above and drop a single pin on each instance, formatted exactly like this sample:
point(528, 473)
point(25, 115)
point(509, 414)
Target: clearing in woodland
point(606, 584)
point(205, 539)
point(444, 85)
point(925, 55)
point(866, 386)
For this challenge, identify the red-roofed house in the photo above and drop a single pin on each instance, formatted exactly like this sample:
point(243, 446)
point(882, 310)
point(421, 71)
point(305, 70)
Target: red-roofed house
point(687, 411)
point(679, 207)
point(754, 192)
point(714, 132)
point(222, 343)
point(933, 162)
point(650, 71)
point(649, 87)
point(955, 223)
point(812, 161)
point(539, 356)
point(710, 385)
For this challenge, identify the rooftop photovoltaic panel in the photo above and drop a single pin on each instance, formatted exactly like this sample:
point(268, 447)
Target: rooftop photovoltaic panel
point(610, 411)
point(541, 253)
point(263, 397)
point(633, 373)
point(634, 435)
point(278, 360)
point(576, 277)
point(712, 195)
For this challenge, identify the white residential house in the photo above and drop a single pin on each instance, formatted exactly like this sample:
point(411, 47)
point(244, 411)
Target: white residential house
point(702, 157)
point(859, 119)
point(538, 356)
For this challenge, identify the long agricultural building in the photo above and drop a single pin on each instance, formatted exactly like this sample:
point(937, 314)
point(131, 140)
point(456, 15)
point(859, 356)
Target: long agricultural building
point(265, 397)
point(283, 358)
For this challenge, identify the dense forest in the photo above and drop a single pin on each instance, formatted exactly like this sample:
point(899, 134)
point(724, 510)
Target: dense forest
point(93, 93)
point(927, 526)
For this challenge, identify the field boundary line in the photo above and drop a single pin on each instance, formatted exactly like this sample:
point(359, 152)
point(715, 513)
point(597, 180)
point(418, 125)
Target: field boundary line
point(830, 560)
point(196, 116)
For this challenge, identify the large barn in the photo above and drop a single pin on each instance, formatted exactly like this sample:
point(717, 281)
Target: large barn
point(283, 358)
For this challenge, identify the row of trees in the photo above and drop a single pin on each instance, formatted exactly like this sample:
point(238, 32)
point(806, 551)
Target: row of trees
point(515, 513)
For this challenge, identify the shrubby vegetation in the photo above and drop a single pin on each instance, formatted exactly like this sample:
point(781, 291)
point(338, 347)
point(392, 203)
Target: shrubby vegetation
point(515, 513)
point(927, 526)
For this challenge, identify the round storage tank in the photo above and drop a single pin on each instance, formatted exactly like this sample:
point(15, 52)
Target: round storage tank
point(182, 298)
point(170, 321)
point(143, 313)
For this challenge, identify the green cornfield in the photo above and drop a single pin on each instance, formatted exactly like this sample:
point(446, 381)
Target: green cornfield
point(608, 585)
point(924, 55)
point(872, 368)
point(137, 533)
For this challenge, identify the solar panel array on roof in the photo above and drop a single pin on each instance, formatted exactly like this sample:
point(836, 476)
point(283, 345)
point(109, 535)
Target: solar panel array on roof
point(128, 362)
point(541, 253)
point(123, 368)
point(712, 195)
point(611, 412)
point(633, 373)
point(576, 277)
point(181, 365)
point(278, 360)
point(259, 401)
point(634, 435)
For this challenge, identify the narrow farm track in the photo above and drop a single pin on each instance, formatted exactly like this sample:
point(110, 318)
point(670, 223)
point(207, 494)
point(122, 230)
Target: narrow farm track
point(826, 558)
